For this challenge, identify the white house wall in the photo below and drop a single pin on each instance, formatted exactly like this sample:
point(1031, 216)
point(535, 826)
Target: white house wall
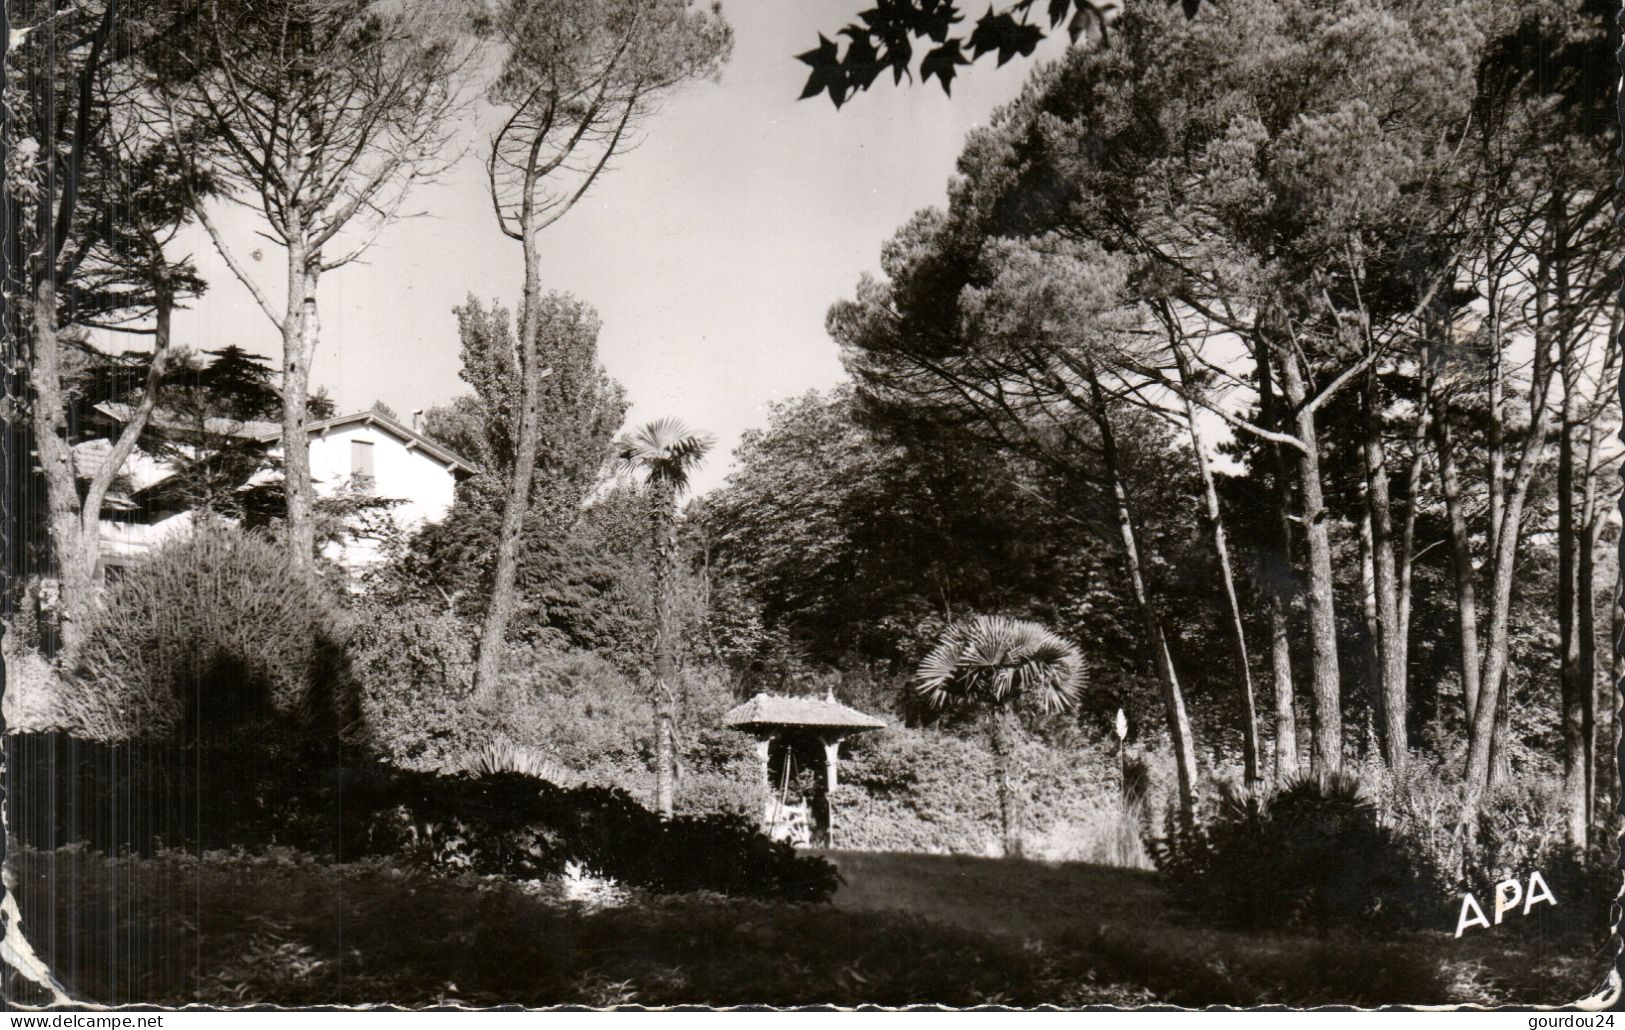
point(425, 486)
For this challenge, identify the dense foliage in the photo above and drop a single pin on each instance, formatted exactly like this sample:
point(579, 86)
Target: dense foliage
point(214, 637)
point(1288, 220)
point(144, 796)
point(569, 593)
point(581, 408)
point(510, 824)
point(1311, 855)
point(1377, 855)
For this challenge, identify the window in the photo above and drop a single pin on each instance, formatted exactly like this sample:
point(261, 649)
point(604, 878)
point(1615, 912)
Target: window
point(361, 467)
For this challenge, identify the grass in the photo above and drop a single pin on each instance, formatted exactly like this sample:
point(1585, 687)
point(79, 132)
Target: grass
point(1122, 921)
point(286, 929)
point(905, 929)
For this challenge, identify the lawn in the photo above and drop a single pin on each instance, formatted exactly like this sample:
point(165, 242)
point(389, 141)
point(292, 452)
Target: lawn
point(1122, 919)
point(905, 929)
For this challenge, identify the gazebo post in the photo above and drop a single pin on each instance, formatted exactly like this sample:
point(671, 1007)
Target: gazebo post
point(832, 757)
point(764, 778)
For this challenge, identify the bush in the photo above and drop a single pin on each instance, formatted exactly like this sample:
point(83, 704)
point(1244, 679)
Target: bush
point(144, 796)
point(1111, 833)
point(1521, 828)
point(1312, 855)
point(214, 636)
point(917, 790)
point(572, 708)
point(503, 757)
point(1422, 804)
point(35, 695)
point(415, 664)
point(513, 825)
point(927, 790)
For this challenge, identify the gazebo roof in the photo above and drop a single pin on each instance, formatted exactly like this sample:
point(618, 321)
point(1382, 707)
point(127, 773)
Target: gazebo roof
point(776, 710)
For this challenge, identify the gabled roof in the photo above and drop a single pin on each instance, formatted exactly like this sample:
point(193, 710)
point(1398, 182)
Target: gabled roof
point(413, 439)
point(139, 471)
point(246, 430)
point(777, 710)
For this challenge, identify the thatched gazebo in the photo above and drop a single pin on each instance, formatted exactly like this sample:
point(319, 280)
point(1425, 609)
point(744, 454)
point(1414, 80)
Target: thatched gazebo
point(799, 734)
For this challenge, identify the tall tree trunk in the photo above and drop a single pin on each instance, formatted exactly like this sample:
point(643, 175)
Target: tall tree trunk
point(1405, 553)
point(1173, 698)
point(1221, 548)
point(1499, 765)
point(1608, 704)
point(1600, 768)
point(1492, 688)
point(510, 537)
point(1286, 716)
point(1461, 556)
point(1002, 736)
point(75, 568)
point(1326, 721)
point(1371, 635)
point(1586, 678)
point(299, 334)
point(1496, 431)
point(663, 511)
point(1278, 575)
point(1574, 691)
point(135, 425)
point(1390, 647)
point(74, 523)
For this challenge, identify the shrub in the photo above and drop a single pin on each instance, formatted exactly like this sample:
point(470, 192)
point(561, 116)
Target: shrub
point(514, 825)
point(927, 790)
point(593, 722)
point(1111, 833)
point(1313, 854)
point(214, 636)
point(415, 664)
point(917, 790)
point(144, 796)
point(35, 695)
point(1422, 803)
point(503, 757)
point(1521, 826)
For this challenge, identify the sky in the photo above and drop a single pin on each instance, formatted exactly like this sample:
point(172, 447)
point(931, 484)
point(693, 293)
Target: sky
point(711, 252)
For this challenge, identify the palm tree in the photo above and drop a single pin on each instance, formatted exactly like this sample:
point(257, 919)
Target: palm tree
point(664, 452)
point(994, 663)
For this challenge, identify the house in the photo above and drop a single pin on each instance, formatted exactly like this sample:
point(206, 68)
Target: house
point(367, 452)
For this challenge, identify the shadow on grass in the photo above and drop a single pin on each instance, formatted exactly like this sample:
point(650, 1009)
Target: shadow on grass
point(1121, 925)
point(283, 928)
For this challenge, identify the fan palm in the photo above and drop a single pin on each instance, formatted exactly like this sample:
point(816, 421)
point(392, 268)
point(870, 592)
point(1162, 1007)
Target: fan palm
point(995, 663)
point(664, 453)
